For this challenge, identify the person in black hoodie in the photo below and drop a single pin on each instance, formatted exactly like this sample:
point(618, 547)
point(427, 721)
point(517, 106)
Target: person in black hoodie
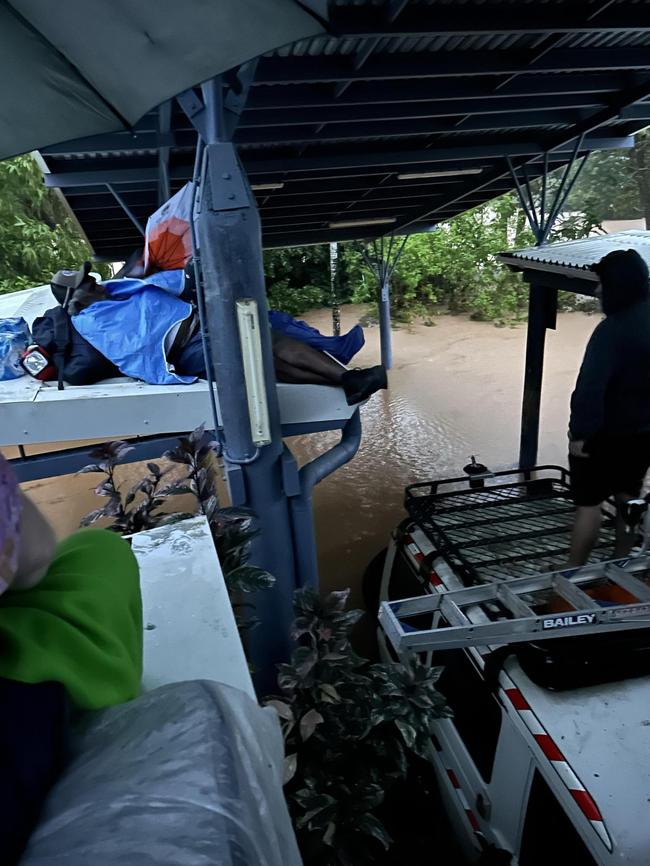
point(609, 430)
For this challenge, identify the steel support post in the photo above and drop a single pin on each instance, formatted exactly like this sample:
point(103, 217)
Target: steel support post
point(542, 307)
point(230, 249)
point(385, 334)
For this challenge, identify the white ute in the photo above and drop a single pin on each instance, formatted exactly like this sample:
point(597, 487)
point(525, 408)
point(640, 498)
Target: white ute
point(547, 756)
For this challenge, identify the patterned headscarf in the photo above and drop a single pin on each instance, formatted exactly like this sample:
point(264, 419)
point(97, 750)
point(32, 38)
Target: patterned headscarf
point(9, 524)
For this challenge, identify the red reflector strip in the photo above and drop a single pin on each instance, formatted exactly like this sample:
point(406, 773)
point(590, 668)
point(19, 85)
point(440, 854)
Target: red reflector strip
point(414, 549)
point(434, 580)
point(517, 700)
point(549, 748)
point(462, 799)
point(471, 817)
point(587, 805)
point(583, 798)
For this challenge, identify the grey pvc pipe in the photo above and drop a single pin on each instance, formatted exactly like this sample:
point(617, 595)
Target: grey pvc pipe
point(301, 506)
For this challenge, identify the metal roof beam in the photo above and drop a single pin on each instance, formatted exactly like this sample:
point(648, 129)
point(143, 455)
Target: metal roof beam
point(120, 142)
point(110, 175)
point(412, 110)
point(297, 184)
point(640, 111)
point(364, 93)
point(592, 126)
point(90, 203)
point(274, 239)
point(462, 153)
point(403, 128)
point(299, 70)
point(338, 214)
point(374, 196)
point(507, 112)
point(394, 9)
point(344, 165)
point(164, 124)
point(423, 20)
point(386, 203)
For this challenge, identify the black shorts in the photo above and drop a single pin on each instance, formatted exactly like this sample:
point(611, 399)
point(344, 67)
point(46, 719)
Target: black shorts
point(616, 464)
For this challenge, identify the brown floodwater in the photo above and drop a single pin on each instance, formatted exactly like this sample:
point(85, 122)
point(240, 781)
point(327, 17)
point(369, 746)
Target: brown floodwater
point(455, 390)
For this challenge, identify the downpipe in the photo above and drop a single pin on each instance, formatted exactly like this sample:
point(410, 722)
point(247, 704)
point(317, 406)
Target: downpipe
point(304, 536)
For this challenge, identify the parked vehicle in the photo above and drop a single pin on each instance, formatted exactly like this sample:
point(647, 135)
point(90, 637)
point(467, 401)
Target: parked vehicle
point(547, 756)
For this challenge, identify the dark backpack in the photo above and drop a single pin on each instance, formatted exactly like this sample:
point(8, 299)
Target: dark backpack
point(73, 358)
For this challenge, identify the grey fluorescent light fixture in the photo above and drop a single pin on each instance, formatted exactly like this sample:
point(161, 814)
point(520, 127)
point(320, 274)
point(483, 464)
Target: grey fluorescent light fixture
point(419, 175)
point(260, 186)
point(351, 224)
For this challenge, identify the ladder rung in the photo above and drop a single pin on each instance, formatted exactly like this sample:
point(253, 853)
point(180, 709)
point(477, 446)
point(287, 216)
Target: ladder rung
point(637, 588)
point(573, 594)
point(452, 613)
point(512, 601)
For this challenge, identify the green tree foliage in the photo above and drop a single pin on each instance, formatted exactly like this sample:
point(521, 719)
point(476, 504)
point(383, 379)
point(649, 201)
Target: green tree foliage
point(641, 163)
point(37, 235)
point(297, 278)
point(608, 186)
point(455, 268)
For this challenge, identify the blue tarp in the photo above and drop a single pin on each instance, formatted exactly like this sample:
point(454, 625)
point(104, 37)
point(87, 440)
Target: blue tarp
point(343, 348)
point(131, 329)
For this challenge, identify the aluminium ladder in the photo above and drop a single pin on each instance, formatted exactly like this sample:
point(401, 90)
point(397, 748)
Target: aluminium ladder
point(497, 614)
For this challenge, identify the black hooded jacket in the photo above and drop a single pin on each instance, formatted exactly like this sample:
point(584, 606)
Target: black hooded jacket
point(612, 394)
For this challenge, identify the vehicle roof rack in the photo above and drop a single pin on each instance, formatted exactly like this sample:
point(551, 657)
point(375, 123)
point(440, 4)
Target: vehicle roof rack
point(596, 599)
point(508, 524)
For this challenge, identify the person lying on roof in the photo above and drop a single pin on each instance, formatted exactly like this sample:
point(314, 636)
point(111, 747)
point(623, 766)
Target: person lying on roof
point(150, 331)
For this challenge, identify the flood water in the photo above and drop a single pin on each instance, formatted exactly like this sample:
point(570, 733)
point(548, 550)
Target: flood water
point(455, 390)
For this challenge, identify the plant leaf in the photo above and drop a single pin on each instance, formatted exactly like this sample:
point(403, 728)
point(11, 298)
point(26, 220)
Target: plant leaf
point(305, 661)
point(328, 838)
point(249, 578)
point(308, 724)
point(408, 733)
point(93, 517)
point(290, 767)
point(282, 709)
point(372, 826)
point(92, 467)
point(330, 691)
point(176, 489)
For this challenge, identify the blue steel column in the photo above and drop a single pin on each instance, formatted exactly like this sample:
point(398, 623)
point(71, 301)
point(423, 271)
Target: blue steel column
point(385, 335)
point(231, 257)
point(542, 309)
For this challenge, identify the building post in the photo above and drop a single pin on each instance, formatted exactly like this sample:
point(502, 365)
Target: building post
point(542, 308)
point(385, 333)
point(230, 249)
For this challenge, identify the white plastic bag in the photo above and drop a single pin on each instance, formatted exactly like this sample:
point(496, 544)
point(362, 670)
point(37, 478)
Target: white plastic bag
point(189, 774)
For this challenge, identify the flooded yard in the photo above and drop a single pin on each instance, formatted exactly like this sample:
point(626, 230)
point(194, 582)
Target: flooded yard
point(455, 390)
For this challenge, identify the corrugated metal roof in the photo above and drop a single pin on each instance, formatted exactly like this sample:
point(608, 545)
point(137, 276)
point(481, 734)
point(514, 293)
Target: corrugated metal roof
point(437, 86)
point(576, 258)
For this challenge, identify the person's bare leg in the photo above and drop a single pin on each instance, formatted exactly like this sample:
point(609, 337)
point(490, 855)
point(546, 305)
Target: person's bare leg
point(624, 538)
point(586, 527)
point(298, 362)
point(295, 375)
point(301, 357)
